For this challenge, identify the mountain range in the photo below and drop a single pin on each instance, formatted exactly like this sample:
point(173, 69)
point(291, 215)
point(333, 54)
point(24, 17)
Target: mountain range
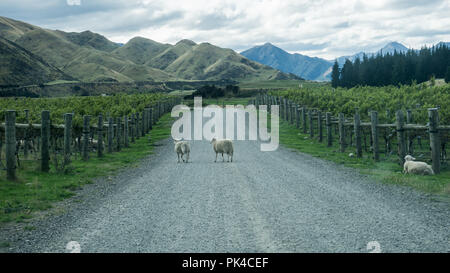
point(33, 55)
point(310, 68)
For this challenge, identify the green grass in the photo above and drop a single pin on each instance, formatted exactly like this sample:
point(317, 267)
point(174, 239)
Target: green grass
point(35, 191)
point(181, 92)
point(60, 82)
point(385, 171)
point(278, 84)
point(220, 101)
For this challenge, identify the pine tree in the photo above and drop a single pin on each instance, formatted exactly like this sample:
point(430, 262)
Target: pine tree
point(447, 75)
point(335, 74)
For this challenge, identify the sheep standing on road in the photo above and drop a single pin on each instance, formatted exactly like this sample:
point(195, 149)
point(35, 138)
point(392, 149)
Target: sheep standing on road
point(224, 146)
point(416, 167)
point(182, 148)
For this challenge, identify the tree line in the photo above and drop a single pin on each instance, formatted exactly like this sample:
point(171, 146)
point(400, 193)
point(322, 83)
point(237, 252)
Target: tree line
point(212, 91)
point(394, 69)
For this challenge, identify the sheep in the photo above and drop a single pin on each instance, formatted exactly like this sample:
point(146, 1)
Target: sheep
point(182, 148)
point(416, 167)
point(224, 146)
point(20, 145)
point(94, 143)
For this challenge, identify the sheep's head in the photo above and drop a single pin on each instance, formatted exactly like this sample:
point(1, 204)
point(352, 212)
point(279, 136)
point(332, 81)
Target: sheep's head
point(213, 140)
point(176, 140)
point(409, 158)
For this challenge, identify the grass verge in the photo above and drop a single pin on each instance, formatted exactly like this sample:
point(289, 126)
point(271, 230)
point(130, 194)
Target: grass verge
point(35, 191)
point(220, 101)
point(388, 170)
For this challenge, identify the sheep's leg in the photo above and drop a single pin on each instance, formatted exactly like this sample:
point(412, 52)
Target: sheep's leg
point(178, 157)
point(187, 157)
point(223, 158)
point(216, 158)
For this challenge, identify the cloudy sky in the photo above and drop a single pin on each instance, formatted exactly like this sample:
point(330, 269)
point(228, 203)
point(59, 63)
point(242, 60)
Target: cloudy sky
point(325, 29)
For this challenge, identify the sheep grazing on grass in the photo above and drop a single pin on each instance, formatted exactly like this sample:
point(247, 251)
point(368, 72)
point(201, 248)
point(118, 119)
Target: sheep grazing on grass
point(416, 167)
point(94, 144)
point(182, 148)
point(224, 146)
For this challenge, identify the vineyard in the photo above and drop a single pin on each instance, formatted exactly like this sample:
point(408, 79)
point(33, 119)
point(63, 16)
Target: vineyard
point(385, 100)
point(52, 130)
point(115, 106)
point(372, 122)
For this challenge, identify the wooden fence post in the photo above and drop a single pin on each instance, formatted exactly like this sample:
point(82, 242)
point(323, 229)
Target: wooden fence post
point(10, 138)
point(67, 137)
point(159, 109)
point(119, 133)
point(281, 107)
point(125, 131)
point(147, 109)
point(281, 103)
point(357, 128)
point(137, 125)
point(291, 113)
point(288, 106)
point(374, 128)
point(133, 128)
point(329, 129)
point(110, 134)
point(409, 143)
point(304, 119)
point(433, 119)
point(150, 118)
point(143, 123)
point(100, 136)
point(341, 132)
point(319, 125)
point(288, 109)
point(45, 138)
point(311, 124)
point(400, 122)
point(269, 104)
point(297, 116)
point(25, 136)
point(86, 130)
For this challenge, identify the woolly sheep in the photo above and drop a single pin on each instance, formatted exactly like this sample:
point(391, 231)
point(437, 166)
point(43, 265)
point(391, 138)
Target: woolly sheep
point(95, 144)
point(182, 148)
point(223, 146)
point(416, 167)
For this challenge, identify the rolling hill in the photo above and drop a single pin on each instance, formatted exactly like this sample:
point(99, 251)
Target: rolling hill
point(18, 65)
point(91, 57)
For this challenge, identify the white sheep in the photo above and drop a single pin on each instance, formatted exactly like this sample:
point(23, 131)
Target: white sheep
point(182, 148)
point(416, 167)
point(223, 146)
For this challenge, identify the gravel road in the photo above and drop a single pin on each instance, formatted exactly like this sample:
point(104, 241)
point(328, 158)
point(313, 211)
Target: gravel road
point(281, 201)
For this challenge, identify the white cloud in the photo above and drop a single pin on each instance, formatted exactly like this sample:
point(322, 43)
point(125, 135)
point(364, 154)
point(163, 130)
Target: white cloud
point(316, 28)
point(73, 2)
